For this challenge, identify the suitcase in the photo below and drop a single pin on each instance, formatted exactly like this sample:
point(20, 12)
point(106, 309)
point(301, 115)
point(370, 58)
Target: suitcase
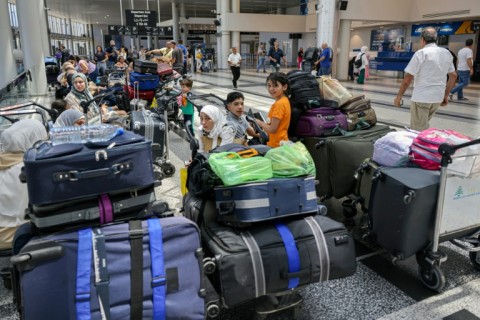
point(149, 270)
point(153, 127)
point(360, 114)
point(136, 103)
point(116, 78)
point(364, 176)
point(266, 200)
point(321, 122)
point(145, 81)
point(96, 210)
point(402, 209)
point(145, 66)
point(307, 66)
point(199, 210)
point(336, 159)
point(146, 95)
point(275, 258)
point(164, 69)
point(73, 171)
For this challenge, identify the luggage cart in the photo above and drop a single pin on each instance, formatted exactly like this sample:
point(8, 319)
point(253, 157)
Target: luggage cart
point(457, 217)
point(51, 70)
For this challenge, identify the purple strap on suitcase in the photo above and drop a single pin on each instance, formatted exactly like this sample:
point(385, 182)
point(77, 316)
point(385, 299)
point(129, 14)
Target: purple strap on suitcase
point(106, 210)
point(320, 122)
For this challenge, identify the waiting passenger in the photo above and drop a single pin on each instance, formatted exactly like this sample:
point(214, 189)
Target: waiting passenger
point(13, 195)
point(80, 93)
point(70, 117)
point(213, 130)
point(121, 65)
point(235, 117)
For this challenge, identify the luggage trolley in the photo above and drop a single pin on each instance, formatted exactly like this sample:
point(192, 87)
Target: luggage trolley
point(457, 217)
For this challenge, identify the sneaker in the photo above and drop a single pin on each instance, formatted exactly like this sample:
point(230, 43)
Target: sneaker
point(450, 97)
point(264, 71)
point(464, 99)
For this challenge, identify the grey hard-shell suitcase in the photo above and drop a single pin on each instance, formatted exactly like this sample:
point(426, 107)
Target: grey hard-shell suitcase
point(402, 209)
point(136, 103)
point(149, 269)
point(337, 157)
point(153, 127)
point(277, 257)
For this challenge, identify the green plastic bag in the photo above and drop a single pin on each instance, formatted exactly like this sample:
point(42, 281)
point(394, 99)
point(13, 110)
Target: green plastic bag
point(291, 160)
point(233, 169)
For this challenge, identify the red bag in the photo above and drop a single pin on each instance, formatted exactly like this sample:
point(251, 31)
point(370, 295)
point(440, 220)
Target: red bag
point(164, 69)
point(143, 94)
point(424, 151)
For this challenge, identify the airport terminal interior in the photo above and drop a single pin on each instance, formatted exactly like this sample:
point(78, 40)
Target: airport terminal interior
point(32, 32)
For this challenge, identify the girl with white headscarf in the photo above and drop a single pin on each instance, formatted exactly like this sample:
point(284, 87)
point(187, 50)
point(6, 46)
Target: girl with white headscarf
point(79, 93)
point(363, 56)
point(15, 141)
point(213, 130)
point(70, 117)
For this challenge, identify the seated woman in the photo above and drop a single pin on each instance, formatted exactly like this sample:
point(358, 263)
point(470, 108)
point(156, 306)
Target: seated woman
point(121, 65)
point(235, 117)
point(70, 117)
point(81, 93)
point(13, 195)
point(214, 129)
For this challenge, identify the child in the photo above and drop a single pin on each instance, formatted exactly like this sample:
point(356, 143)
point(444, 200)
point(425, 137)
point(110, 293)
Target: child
point(187, 107)
point(280, 111)
point(121, 65)
point(235, 116)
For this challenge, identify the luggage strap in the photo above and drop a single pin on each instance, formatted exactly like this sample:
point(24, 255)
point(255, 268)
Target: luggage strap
point(149, 125)
point(322, 247)
point(84, 262)
point(158, 269)
point(136, 272)
point(257, 264)
point(102, 279)
point(293, 255)
point(105, 208)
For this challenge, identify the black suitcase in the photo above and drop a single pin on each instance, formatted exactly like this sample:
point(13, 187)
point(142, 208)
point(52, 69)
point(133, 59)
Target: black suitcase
point(337, 157)
point(402, 209)
point(145, 66)
point(153, 127)
point(276, 258)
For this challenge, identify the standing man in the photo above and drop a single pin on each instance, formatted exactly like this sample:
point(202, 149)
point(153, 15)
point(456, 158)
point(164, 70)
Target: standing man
point(464, 70)
point(261, 57)
point(234, 60)
point(177, 57)
point(185, 55)
point(112, 54)
point(275, 55)
point(429, 66)
point(324, 60)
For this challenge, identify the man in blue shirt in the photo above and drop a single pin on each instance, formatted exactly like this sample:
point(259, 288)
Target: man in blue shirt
point(325, 61)
point(275, 55)
point(184, 50)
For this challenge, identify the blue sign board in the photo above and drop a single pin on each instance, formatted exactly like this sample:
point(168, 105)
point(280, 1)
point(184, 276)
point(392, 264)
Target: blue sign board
point(447, 28)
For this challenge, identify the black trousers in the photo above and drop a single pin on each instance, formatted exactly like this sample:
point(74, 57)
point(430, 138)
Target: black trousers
point(236, 75)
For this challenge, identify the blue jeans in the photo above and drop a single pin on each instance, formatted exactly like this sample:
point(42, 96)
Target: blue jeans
point(324, 71)
point(463, 81)
point(261, 63)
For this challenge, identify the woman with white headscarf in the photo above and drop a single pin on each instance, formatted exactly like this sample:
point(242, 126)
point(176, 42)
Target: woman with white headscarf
point(213, 130)
point(13, 195)
point(70, 117)
point(80, 93)
point(363, 56)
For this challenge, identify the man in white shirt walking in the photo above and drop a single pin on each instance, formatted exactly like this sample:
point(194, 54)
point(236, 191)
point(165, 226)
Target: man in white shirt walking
point(464, 69)
point(429, 67)
point(234, 60)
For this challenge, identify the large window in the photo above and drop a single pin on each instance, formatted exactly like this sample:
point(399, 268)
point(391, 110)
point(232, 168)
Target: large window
point(12, 10)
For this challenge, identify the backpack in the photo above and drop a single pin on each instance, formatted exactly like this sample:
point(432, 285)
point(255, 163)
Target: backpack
point(331, 53)
point(358, 63)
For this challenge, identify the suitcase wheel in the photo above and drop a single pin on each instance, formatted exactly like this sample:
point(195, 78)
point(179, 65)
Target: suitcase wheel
point(213, 309)
point(168, 169)
point(432, 276)
point(209, 265)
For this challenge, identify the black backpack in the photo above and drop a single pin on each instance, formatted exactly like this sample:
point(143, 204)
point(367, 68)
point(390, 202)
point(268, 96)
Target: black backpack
point(200, 177)
point(358, 63)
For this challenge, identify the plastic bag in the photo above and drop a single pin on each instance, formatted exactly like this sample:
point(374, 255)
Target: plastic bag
point(291, 160)
point(332, 89)
point(233, 169)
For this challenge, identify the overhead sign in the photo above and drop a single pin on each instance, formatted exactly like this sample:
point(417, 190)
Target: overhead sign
point(114, 30)
point(141, 18)
point(447, 28)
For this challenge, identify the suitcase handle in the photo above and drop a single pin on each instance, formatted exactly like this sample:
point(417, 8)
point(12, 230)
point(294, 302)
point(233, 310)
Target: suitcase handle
point(42, 252)
point(226, 207)
point(136, 94)
point(74, 175)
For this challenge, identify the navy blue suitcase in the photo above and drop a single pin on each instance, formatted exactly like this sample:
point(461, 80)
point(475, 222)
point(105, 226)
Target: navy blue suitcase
point(145, 81)
point(266, 200)
point(71, 171)
point(150, 269)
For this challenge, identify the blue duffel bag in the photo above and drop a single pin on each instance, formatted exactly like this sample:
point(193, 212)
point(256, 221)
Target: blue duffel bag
point(145, 81)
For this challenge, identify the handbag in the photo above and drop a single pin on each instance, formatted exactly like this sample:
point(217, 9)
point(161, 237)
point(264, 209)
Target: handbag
point(332, 89)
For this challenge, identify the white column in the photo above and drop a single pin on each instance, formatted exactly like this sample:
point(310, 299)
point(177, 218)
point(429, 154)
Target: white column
point(42, 25)
point(343, 50)
point(7, 64)
point(31, 40)
point(149, 37)
point(223, 55)
point(325, 21)
point(218, 10)
point(132, 40)
point(182, 26)
point(236, 34)
point(175, 20)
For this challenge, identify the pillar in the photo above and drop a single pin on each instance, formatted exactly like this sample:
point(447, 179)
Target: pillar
point(325, 21)
point(183, 34)
point(223, 55)
point(31, 40)
point(218, 36)
point(43, 25)
point(236, 34)
point(175, 20)
point(7, 63)
point(343, 49)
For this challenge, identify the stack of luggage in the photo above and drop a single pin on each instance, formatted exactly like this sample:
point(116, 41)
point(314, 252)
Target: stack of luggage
point(263, 233)
point(145, 74)
point(100, 245)
point(338, 130)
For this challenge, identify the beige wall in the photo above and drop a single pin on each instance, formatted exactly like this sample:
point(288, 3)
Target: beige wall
point(251, 22)
point(421, 7)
